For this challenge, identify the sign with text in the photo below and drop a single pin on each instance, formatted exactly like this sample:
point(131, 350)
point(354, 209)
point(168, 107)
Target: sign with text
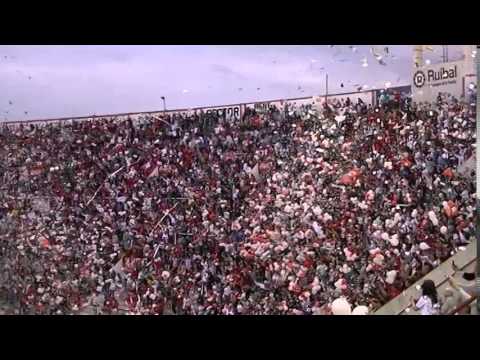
point(429, 81)
point(229, 113)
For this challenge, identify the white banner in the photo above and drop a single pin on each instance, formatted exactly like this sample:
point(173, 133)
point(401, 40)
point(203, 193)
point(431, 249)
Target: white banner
point(228, 112)
point(365, 96)
point(429, 81)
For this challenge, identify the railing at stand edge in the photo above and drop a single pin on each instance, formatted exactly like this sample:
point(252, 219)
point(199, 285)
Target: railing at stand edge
point(373, 93)
point(463, 306)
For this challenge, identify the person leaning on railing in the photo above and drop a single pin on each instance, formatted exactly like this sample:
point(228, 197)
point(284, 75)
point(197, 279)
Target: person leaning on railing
point(467, 291)
point(468, 288)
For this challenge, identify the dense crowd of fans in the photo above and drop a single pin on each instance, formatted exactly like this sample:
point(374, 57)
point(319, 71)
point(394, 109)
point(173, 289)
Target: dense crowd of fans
point(279, 213)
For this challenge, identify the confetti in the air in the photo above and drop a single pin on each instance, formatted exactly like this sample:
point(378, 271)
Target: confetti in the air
point(388, 84)
point(185, 91)
point(374, 52)
point(427, 61)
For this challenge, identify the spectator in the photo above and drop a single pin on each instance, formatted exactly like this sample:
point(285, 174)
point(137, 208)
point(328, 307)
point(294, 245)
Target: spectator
point(428, 303)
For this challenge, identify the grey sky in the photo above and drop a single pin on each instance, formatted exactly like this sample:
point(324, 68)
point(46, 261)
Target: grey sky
point(83, 80)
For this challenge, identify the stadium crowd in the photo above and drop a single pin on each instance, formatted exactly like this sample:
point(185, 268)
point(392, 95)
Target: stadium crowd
point(281, 212)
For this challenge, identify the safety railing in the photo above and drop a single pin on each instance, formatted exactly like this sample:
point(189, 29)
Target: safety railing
point(460, 308)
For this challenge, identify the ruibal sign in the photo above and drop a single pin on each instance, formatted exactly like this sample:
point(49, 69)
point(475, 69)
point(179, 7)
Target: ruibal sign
point(429, 81)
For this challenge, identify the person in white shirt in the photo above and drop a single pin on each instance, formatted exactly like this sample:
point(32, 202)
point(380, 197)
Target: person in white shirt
point(427, 304)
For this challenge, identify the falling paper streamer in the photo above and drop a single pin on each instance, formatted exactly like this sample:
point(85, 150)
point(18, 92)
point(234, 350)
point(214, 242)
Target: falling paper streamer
point(381, 62)
point(375, 53)
point(424, 246)
point(165, 214)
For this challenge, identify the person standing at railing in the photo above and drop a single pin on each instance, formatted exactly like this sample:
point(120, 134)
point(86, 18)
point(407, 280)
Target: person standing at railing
point(468, 288)
point(428, 303)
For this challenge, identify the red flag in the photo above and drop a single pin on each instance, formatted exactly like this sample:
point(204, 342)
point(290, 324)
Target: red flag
point(44, 243)
point(448, 172)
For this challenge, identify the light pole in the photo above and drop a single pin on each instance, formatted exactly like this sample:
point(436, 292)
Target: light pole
point(164, 106)
point(326, 88)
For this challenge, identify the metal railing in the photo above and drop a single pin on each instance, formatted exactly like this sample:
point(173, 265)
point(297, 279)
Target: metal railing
point(463, 306)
